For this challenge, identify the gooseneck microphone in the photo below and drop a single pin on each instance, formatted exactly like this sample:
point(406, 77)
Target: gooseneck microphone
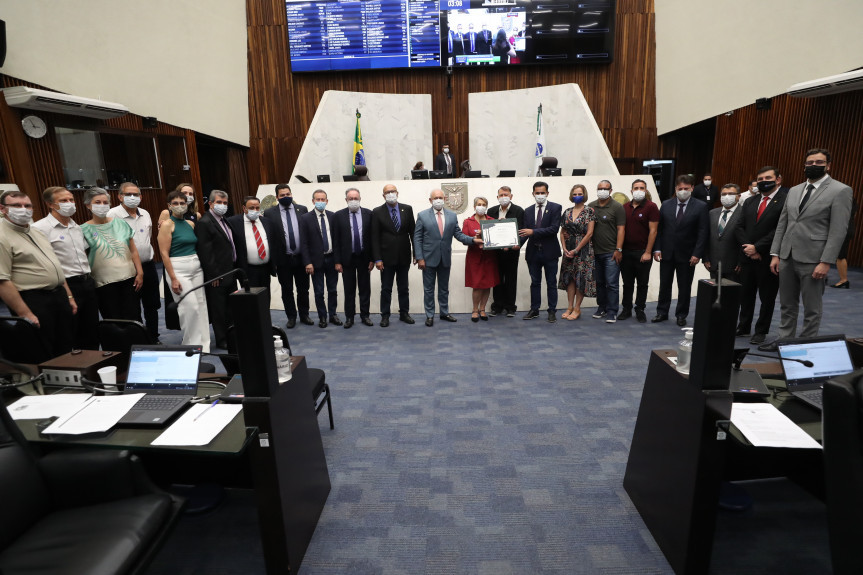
point(805, 362)
point(240, 273)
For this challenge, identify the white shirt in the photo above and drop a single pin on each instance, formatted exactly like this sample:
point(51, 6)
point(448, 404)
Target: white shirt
point(251, 245)
point(329, 236)
point(142, 226)
point(815, 189)
point(731, 211)
point(68, 244)
point(503, 211)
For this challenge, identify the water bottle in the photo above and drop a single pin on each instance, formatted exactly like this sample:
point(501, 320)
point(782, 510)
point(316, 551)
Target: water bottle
point(283, 361)
point(684, 351)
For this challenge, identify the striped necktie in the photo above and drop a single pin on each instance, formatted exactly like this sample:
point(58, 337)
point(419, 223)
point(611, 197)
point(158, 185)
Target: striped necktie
point(259, 242)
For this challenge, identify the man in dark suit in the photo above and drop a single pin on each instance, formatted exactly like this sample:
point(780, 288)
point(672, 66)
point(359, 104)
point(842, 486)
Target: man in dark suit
point(458, 43)
point(256, 240)
point(470, 40)
point(760, 215)
point(352, 233)
point(541, 225)
point(445, 162)
point(722, 245)
point(503, 294)
point(706, 191)
point(316, 230)
point(681, 241)
point(484, 41)
point(217, 254)
point(289, 261)
point(392, 250)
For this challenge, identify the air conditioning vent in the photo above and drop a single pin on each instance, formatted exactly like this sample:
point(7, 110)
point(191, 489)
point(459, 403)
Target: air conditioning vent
point(45, 101)
point(829, 85)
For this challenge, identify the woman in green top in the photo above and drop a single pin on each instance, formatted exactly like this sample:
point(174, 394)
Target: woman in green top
point(114, 262)
point(177, 244)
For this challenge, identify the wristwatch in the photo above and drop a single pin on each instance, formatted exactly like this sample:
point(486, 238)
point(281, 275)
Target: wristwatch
point(619, 249)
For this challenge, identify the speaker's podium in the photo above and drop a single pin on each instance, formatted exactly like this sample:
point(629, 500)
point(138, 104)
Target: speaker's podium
point(678, 446)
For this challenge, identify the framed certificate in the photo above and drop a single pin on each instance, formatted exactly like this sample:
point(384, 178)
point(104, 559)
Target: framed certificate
point(499, 234)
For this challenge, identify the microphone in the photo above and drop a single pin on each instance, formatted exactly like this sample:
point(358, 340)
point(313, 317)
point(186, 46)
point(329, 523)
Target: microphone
point(239, 272)
point(743, 354)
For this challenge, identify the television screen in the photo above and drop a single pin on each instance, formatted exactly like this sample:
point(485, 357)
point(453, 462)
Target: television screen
point(328, 35)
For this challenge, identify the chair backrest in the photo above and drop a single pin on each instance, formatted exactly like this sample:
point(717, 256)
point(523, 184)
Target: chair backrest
point(842, 426)
point(548, 162)
point(122, 334)
point(362, 173)
point(20, 341)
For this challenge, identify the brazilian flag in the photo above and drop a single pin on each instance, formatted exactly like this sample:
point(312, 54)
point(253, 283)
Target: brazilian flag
point(359, 155)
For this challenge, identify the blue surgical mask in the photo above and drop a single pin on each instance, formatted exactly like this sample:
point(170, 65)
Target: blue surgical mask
point(320, 206)
point(578, 199)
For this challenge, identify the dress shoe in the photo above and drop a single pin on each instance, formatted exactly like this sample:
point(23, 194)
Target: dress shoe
point(640, 316)
point(406, 317)
point(366, 321)
point(532, 314)
point(385, 321)
point(681, 321)
point(291, 323)
point(773, 346)
point(334, 319)
point(429, 321)
point(448, 317)
point(322, 324)
point(842, 285)
point(758, 338)
point(625, 314)
point(741, 332)
point(658, 318)
point(306, 320)
point(552, 317)
point(349, 323)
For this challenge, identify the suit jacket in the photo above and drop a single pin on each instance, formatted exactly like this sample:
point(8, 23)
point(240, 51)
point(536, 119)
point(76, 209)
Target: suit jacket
point(430, 245)
point(312, 247)
point(545, 234)
point(484, 42)
point(274, 215)
point(440, 164)
point(700, 192)
point(275, 240)
point(214, 247)
point(724, 247)
point(680, 241)
point(815, 233)
point(343, 246)
point(759, 231)
point(388, 245)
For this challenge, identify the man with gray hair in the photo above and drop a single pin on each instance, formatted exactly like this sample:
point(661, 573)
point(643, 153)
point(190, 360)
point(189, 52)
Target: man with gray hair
point(352, 250)
point(218, 256)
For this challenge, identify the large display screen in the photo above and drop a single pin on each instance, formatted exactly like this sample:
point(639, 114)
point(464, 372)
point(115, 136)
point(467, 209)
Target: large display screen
point(329, 35)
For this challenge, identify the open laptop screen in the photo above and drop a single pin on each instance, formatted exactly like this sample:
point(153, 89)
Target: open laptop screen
point(829, 358)
point(163, 369)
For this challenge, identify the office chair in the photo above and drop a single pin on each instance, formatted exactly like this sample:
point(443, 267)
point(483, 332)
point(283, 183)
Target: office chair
point(842, 438)
point(362, 173)
point(548, 163)
point(20, 341)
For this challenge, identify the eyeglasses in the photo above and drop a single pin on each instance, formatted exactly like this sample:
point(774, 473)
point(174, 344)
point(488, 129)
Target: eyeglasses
point(816, 162)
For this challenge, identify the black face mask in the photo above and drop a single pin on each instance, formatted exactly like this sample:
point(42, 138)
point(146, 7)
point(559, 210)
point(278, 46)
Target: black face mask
point(765, 186)
point(286, 201)
point(815, 172)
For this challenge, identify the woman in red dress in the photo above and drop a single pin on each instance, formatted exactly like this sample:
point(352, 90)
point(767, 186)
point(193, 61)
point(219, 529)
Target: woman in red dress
point(480, 266)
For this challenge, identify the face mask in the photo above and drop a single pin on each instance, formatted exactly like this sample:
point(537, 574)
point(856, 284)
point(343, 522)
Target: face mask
point(579, 199)
point(353, 205)
point(603, 194)
point(707, 183)
point(190, 200)
point(504, 201)
point(437, 204)
point(480, 210)
point(131, 201)
point(540, 198)
point(754, 189)
point(20, 216)
point(683, 195)
point(253, 214)
point(286, 201)
point(728, 200)
point(814, 172)
point(66, 209)
point(179, 210)
point(100, 210)
point(766, 186)
point(220, 209)
point(320, 206)
point(391, 198)
point(639, 195)
point(446, 150)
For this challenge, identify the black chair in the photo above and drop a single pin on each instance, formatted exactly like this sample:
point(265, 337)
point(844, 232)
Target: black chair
point(549, 163)
point(362, 173)
point(842, 437)
point(20, 341)
point(77, 511)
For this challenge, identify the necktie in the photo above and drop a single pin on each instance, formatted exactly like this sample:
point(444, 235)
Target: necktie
point(472, 40)
point(806, 195)
point(291, 240)
point(262, 251)
point(440, 224)
point(448, 163)
point(449, 43)
point(395, 217)
point(230, 239)
point(358, 244)
point(324, 234)
point(680, 207)
point(761, 207)
point(538, 217)
point(722, 221)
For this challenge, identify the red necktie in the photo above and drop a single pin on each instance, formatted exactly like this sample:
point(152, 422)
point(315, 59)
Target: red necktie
point(262, 251)
point(761, 207)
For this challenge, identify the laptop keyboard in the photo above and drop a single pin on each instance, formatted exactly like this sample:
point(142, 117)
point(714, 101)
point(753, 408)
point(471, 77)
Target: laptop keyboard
point(159, 402)
point(813, 396)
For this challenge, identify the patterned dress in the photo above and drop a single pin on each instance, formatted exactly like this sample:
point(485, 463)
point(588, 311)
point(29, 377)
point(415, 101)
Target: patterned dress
point(580, 268)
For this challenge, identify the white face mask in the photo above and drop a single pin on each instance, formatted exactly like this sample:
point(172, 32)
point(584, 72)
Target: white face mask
point(253, 214)
point(603, 194)
point(100, 210)
point(391, 198)
point(480, 210)
point(639, 195)
point(190, 199)
point(754, 189)
point(707, 183)
point(437, 204)
point(683, 195)
point(728, 200)
point(540, 198)
point(20, 216)
point(179, 210)
point(504, 201)
point(446, 150)
point(353, 205)
point(66, 209)
point(220, 209)
point(131, 201)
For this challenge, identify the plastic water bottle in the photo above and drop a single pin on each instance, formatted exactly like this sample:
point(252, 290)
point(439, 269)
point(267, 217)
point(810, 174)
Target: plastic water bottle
point(684, 351)
point(283, 361)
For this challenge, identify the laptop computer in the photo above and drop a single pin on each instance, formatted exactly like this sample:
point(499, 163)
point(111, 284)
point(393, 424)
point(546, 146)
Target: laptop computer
point(168, 375)
point(828, 356)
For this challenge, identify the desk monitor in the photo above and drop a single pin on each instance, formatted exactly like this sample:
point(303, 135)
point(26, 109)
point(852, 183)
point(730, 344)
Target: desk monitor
point(579, 172)
point(323, 178)
point(350, 178)
point(552, 171)
point(473, 174)
point(437, 174)
point(506, 174)
point(419, 174)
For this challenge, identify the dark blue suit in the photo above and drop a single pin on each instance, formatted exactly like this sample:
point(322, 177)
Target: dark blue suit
point(290, 266)
point(313, 253)
point(354, 260)
point(679, 241)
point(543, 252)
